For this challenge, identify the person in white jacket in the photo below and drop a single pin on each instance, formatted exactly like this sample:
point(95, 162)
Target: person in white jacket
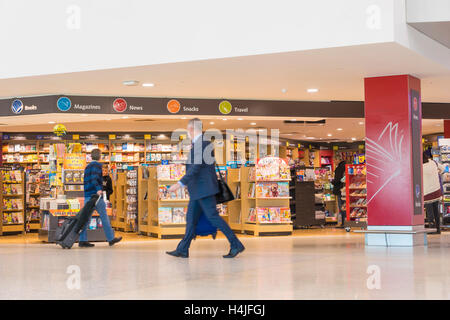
point(432, 188)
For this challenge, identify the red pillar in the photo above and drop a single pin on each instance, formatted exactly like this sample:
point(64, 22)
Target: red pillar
point(394, 161)
point(446, 128)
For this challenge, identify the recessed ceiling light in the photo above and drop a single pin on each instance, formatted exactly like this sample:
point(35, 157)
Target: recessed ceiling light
point(293, 119)
point(125, 117)
point(183, 118)
point(361, 122)
point(339, 129)
point(253, 123)
point(240, 119)
point(329, 135)
point(289, 134)
point(212, 122)
point(130, 83)
point(312, 90)
point(224, 119)
point(148, 84)
point(84, 115)
point(108, 119)
point(353, 139)
point(283, 90)
point(51, 122)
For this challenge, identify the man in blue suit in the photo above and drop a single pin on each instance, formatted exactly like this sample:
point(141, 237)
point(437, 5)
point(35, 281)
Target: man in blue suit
point(201, 182)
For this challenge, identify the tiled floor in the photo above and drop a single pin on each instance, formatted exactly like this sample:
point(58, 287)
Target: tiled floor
point(312, 264)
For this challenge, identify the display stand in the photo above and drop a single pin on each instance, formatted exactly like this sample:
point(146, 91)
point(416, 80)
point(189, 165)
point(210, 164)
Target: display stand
point(267, 215)
point(33, 194)
point(305, 213)
point(52, 219)
point(152, 224)
point(143, 200)
point(325, 201)
point(356, 194)
point(443, 156)
point(235, 207)
point(12, 201)
point(118, 220)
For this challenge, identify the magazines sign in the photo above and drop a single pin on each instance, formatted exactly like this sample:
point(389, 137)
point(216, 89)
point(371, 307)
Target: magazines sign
point(74, 161)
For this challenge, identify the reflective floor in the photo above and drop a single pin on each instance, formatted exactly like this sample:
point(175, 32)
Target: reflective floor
point(320, 264)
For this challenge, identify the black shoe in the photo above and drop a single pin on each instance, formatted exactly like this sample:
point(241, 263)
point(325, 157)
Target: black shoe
point(115, 240)
point(177, 254)
point(85, 244)
point(234, 252)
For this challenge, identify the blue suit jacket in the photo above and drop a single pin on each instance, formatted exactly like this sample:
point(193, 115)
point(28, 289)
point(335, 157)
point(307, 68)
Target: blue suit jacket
point(200, 178)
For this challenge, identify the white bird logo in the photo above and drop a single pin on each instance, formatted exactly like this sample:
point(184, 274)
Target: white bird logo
point(383, 157)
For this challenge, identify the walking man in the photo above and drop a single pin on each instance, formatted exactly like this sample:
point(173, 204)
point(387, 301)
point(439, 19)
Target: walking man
point(201, 182)
point(93, 183)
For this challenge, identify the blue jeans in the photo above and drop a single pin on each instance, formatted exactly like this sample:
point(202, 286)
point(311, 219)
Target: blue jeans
point(101, 209)
point(208, 207)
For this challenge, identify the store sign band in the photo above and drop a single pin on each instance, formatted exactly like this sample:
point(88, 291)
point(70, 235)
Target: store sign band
point(172, 106)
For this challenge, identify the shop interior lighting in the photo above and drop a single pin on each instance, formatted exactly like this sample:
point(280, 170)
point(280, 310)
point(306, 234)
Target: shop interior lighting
point(130, 83)
point(312, 90)
point(148, 84)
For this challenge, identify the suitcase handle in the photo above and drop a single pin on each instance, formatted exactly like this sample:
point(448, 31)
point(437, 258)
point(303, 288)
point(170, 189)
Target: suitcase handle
point(98, 199)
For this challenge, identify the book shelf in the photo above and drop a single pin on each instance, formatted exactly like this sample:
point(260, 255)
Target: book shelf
point(32, 200)
point(12, 201)
point(234, 208)
point(356, 195)
point(119, 202)
point(161, 215)
point(266, 214)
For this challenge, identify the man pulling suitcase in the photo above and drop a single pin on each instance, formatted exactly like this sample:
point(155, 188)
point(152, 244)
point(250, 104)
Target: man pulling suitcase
point(93, 190)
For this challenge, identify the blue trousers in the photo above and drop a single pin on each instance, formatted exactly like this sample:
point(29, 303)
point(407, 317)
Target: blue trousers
point(101, 209)
point(208, 207)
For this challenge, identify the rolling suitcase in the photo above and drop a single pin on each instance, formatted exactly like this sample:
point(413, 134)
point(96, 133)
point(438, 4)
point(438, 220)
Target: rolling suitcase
point(68, 233)
point(205, 228)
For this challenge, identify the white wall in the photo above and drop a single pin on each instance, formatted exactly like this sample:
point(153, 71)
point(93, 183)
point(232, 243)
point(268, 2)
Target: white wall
point(41, 37)
point(427, 10)
point(415, 40)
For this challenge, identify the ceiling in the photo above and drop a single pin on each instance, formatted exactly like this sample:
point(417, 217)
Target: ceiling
point(351, 127)
point(439, 31)
point(338, 73)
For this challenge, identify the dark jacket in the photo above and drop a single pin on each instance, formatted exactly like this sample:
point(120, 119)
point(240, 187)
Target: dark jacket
point(200, 178)
point(107, 186)
point(93, 181)
point(339, 173)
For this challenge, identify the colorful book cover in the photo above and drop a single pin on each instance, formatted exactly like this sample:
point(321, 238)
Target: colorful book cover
point(163, 172)
point(178, 215)
point(165, 215)
point(93, 224)
point(283, 189)
point(251, 215)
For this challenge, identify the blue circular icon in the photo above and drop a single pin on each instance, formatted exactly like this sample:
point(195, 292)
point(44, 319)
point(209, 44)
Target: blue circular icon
point(17, 106)
point(64, 104)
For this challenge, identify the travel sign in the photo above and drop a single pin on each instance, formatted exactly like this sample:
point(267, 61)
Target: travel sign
point(178, 106)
